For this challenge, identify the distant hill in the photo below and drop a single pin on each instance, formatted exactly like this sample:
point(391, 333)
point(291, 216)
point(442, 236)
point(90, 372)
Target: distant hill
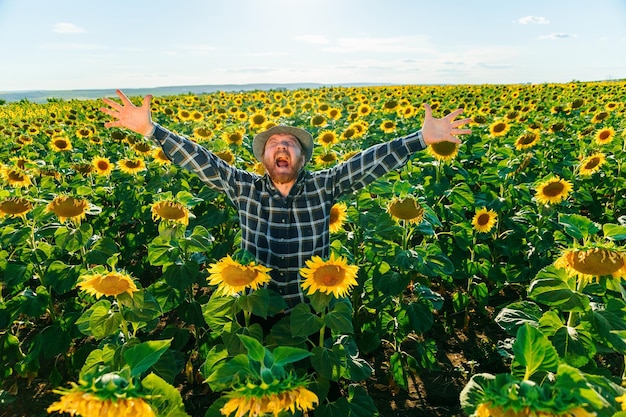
point(41, 96)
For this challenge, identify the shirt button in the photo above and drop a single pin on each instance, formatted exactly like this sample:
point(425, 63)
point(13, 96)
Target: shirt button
point(283, 220)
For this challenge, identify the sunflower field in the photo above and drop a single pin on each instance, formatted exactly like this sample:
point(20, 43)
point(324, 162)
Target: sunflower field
point(123, 286)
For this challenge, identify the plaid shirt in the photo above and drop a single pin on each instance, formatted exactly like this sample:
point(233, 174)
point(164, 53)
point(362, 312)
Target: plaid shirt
point(284, 232)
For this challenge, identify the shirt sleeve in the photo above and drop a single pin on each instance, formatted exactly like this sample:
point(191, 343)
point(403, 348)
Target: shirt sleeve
point(210, 168)
point(374, 162)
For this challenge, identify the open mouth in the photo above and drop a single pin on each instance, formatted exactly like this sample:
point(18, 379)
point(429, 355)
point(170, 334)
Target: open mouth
point(282, 162)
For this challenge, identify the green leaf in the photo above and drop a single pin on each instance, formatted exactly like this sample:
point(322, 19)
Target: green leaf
point(142, 356)
point(61, 276)
point(101, 251)
point(162, 253)
point(614, 231)
point(284, 355)
point(339, 318)
point(255, 349)
point(398, 370)
point(181, 275)
point(534, 352)
point(517, 314)
point(461, 196)
point(218, 312)
point(577, 226)
point(420, 315)
point(303, 322)
point(103, 321)
point(552, 287)
point(164, 398)
point(72, 240)
point(326, 362)
point(361, 404)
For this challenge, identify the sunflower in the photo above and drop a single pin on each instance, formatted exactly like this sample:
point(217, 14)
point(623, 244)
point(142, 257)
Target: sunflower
point(333, 276)
point(170, 211)
point(553, 190)
point(202, 133)
point(388, 126)
point(233, 138)
point(226, 156)
point(487, 409)
point(60, 144)
point(484, 220)
point(407, 209)
point(257, 121)
point(159, 157)
point(232, 277)
point(68, 208)
point(83, 168)
point(527, 140)
point(15, 207)
point(112, 283)
point(338, 216)
point(131, 166)
point(142, 148)
point(102, 165)
point(592, 164)
point(599, 117)
point(604, 136)
point(265, 399)
point(16, 178)
point(327, 138)
point(499, 128)
point(593, 262)
point(326, 159)
point(86, 404)
point(444, 151)
point(318, 120)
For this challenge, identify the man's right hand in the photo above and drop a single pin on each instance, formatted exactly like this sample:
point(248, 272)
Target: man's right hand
point(129, 116)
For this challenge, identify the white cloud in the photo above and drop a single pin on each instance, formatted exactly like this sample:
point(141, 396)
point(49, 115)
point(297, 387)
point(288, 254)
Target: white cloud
point(313, 39)
point(538, 20)
point(72, 46)
point(554, 36)
point(199, 49)
point(382, 45)
point(67, 28)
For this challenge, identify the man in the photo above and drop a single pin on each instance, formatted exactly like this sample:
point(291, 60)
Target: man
point(284, 214)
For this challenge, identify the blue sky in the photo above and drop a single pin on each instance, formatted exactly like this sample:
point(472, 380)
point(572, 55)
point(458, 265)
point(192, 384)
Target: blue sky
point(89, 44)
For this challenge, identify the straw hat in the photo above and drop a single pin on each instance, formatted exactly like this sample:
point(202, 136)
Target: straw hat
point(304, 137)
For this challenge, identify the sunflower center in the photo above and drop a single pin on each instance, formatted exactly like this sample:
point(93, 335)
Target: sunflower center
point(16, 176)
point(327, 138)
point(103, 165)
point(598, 262)
point(553, 189)
point(15, 207)
point(238, 276)
point(483, 219)
point(444, 148)
point(329, 157)
point(604, 135)
point(133, 164)
point(329, 275)
point(527, 139)
point(499, 127)
point(592, 163)
point(60, 143)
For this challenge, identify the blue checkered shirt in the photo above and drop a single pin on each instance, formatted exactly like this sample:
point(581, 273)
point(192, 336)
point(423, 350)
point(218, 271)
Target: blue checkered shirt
point(284, 232)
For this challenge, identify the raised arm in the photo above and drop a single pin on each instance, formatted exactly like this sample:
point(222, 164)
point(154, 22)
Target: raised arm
point(129, 116)
point(445, 129)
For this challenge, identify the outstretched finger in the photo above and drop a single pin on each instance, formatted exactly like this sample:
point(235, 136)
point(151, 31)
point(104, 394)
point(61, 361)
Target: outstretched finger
point(428, 110)
point(114, 104)
point(146, 101)
point(454, 114)
point(123, 97)
point(461, 122)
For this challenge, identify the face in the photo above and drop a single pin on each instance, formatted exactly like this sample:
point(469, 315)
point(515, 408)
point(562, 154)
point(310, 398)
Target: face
point(283, 158)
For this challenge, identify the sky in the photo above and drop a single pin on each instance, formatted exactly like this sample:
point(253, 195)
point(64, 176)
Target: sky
point(96, 44)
